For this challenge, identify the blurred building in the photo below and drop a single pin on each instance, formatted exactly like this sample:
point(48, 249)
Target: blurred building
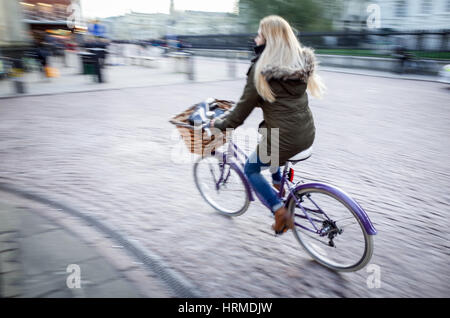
point(14, 33)
point(136, 26)
point(198, 22)
point(399, 15)
point(144, 26)
point(42, 15)
point(45, 10)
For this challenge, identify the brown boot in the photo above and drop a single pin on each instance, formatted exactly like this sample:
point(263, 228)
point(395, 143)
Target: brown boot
point(283, 221)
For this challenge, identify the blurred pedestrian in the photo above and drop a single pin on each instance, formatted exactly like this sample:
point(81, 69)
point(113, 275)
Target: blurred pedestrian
point(103, 44)
point(277, 82)
point(402, 55)
point(42, 55)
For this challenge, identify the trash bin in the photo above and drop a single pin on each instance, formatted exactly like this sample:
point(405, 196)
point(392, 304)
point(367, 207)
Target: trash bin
point(100, 53)
point(87, 63)
point(91, 65)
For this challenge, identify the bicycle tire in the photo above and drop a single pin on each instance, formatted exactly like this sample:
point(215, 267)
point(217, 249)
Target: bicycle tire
point(219, 209)
point(368, 239)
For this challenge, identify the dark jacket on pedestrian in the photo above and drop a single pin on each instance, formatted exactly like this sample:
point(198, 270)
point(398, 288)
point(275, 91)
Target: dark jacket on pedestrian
point(289, 112)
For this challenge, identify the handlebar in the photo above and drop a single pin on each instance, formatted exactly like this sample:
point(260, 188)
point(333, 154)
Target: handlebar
point(205, 124)
point(207, 129)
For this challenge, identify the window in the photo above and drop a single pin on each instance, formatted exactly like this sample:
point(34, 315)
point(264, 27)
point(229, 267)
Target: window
point(29, 10)
point(60, 11)
point(427, 6)
point(400, 8)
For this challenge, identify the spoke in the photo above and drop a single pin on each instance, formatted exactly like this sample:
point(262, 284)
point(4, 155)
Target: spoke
point(211, 169)
point(346, 218)
point(343, 225)
point(227, 175)
point(231, 190)
point(313, 211)
point(314, 238)
point(318, 208)
point(305, 218)
point(319, 214)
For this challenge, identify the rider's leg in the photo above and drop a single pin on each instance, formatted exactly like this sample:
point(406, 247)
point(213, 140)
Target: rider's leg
point(276, 178)
point(283, 221)
point(276, 175)
point(252, 170)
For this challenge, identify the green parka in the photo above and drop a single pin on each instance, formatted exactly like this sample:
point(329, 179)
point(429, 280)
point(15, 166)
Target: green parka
point(289, 112)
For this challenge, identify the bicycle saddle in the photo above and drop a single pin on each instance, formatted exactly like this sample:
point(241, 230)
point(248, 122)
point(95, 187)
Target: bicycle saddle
point(305, 154)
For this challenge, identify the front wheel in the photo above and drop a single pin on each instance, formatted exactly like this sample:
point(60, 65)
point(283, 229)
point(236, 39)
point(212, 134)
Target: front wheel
point(342, 243)
point(221, 185)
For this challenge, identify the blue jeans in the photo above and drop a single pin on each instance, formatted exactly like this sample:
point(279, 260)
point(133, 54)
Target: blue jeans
point(252, 170)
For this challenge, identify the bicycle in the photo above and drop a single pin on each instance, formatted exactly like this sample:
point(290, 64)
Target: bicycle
point(222, 173)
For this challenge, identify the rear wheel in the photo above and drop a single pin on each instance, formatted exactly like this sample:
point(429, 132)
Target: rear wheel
point(221, 186)
point(343, 244)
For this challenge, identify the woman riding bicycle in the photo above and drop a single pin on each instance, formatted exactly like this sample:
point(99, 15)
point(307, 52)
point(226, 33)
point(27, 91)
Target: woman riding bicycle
point(277, 81)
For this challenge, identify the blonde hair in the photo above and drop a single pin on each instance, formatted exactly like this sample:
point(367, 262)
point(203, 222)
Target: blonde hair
point(283, 50)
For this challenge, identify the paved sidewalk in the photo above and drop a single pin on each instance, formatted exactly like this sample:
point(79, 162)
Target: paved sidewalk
point(39, 257)
point(163, 73)
point(124, 76)
point(374, 73)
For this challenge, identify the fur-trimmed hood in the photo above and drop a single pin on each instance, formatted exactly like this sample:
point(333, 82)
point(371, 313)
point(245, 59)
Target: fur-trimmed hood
point(290, 73)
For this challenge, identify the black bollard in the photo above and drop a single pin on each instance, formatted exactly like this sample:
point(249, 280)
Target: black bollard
point(19, 86)
point(18, 70)
point(231, 56)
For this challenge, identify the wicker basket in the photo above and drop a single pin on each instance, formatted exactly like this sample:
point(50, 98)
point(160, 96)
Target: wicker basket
point(197, 140)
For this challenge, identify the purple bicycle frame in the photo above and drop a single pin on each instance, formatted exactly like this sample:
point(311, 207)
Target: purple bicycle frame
point(232, 157)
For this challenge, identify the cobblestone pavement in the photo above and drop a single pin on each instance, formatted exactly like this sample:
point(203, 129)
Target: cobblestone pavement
point(108, 154)
point(41, 250)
